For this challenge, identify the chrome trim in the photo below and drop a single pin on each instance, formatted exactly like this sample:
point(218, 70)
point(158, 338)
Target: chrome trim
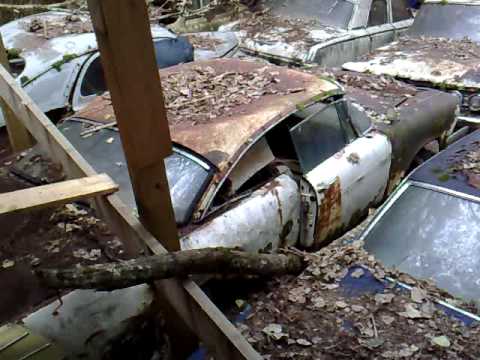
point(469, 119)
point(192, 157)
point(438, 301)
point(446, 191)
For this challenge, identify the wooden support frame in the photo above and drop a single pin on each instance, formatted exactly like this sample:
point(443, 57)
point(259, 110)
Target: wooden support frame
point(184, 296)
point(56, 194)
point(20, 138)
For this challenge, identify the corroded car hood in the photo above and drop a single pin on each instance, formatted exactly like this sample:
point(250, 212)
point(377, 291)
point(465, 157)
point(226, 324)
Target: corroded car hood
point(284, 39)
point(224, 138)
point(447, 64)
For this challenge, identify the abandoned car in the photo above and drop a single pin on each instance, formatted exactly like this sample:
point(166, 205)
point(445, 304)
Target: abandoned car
point(441, 50)
point(429, 226)
point(54, 57)
point(266, 156)
point(325, 32)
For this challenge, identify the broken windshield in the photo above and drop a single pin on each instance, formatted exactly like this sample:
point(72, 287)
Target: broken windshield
point(335, 13)
point(431, 234)
point(454, 21)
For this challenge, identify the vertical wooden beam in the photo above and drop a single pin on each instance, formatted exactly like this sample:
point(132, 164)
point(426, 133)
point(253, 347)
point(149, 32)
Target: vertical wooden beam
point(20, 138)
point(126, 47)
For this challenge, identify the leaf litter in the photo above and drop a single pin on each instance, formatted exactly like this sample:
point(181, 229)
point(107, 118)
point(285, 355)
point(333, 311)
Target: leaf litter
point(314, 319)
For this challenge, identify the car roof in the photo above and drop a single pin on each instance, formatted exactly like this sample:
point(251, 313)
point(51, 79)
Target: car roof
point(442, 169)
point(223, 139)
point(40, 52)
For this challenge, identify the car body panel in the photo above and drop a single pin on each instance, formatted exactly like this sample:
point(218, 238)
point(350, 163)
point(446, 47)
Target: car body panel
point(316, 42)
point(432, 61)
point(212, 139)
point(349, 183)
point(266, 220)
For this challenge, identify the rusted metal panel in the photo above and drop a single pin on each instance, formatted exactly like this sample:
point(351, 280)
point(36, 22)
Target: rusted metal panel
point(223, 139)
point(442, 62)
point(349, 183)
point(266, 220)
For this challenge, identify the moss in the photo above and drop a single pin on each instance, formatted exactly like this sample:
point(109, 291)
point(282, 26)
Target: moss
point(13, 53)
point(443, 177)
point(66, 58)
point(24, 80)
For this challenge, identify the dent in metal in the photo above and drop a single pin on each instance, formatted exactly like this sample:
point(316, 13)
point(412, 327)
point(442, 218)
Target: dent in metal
point(267, 219)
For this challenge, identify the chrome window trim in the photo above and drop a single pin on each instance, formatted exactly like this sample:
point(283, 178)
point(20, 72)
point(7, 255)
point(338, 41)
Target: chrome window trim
point(401, 189)
point(446, 191)
point(192, 157)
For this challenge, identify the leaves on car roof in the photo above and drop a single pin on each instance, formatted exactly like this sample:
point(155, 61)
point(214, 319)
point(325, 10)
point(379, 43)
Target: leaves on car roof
point(49, 28)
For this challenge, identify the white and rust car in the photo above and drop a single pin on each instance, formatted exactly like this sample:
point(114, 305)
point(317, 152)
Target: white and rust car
point(324, 32)
point(441, 50)
point(266, 156)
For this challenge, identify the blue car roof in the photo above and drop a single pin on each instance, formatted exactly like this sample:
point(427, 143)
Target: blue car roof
point(439, 170)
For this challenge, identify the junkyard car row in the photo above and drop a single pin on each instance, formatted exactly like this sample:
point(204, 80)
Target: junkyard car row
point(278, 150)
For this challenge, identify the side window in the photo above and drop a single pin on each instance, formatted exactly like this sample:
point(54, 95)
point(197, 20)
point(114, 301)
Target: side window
point(319, 136)
point(360, 120)
point(378, 13)
point(93, 83)
point(401, 10)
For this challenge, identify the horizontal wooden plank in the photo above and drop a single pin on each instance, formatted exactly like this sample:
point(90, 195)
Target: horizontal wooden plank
point(56, 194)
point(186, 298)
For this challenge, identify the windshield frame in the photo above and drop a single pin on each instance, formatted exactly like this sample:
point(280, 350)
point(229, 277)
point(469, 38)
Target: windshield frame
point(429, 9)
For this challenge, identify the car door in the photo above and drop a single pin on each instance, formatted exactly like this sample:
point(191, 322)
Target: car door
point(379, 25)
point(348, 170)
point(402, 16)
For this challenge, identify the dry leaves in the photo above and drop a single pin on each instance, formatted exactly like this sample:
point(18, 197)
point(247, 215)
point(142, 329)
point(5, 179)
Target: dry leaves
point(200, 94)
point(69, 24)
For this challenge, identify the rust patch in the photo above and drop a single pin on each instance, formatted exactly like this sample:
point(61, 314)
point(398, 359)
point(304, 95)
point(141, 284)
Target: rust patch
point(329, 214)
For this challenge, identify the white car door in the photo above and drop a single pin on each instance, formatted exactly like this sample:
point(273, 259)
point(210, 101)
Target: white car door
point(379, 25)
point(348, 171)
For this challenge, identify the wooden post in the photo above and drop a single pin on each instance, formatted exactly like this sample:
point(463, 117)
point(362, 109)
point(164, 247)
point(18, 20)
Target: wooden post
point(126, 47)
point(20, 138)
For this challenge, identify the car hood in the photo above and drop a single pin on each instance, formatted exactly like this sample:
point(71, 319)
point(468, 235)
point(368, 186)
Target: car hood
point(282, 38)
point(443, 63)
point(212, 45)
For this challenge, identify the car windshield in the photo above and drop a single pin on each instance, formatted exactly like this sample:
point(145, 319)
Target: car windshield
point(335, 13)
point(454, 21)
point(187, 174)
point(431, 235)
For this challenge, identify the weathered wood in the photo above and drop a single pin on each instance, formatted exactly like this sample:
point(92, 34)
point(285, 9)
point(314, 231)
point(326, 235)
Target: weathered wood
point(132, 76)
point(20, 138)
point(113, 276)
point(56, 194)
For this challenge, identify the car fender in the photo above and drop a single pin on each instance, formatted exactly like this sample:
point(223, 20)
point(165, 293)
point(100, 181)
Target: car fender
point(266, 220)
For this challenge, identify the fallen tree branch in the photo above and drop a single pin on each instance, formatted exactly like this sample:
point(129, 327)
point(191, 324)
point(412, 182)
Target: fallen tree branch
point(177, 264)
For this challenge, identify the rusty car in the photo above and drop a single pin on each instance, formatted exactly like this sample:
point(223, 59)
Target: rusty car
point(429, 226)
point(441, 50)
point(324, 32)
point(54, 56)
point(265, 156)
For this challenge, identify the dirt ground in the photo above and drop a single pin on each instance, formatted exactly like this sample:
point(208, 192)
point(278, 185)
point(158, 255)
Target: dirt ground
point(53, 237)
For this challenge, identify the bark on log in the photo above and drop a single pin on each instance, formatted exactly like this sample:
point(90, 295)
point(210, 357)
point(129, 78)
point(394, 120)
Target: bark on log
point(176, 264)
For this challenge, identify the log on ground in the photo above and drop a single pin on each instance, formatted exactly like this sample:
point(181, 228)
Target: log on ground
point(176, 264)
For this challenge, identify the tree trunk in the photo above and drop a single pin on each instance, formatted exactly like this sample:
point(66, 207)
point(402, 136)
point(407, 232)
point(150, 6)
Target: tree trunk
point(176, 264)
